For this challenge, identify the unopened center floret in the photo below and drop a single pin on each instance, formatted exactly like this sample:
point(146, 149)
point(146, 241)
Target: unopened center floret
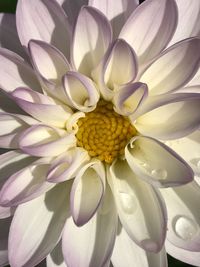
point(104, 133)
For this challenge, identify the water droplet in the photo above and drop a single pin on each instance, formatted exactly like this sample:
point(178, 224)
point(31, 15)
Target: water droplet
point(145, 166)
point(159, 173)
point(186, 228)
point(128, 202)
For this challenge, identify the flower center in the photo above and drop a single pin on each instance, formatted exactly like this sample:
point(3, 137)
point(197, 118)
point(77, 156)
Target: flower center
point(104, 133)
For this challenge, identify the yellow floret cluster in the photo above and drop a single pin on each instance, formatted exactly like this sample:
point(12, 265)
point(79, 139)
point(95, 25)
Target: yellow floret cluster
point(104, 133)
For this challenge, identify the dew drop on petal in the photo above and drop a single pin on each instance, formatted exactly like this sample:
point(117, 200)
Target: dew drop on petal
point(128, 202)
point(159, 173)
point(186, 228)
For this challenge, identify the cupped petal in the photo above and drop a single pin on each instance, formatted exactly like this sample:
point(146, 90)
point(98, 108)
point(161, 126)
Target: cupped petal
point(43, 20)
point(87, 192)
point(45, 141)
point(188, 148)
point(8, 34)
point(42, 107)
point(50, 63)
point(183, 216)
point(11, 162)
point(190, 257)
point(12, 125)
point(150, 28)
point(55, 258)
point(80, 91)
point(129, 98)
point(169, 116)
point(38, 216)
point(166, 74)
point(92, 37)
point(188, 20)
point(4, 230)
point(117, 12)
point(96, 238)
point(156, 163)
point(16, 72)
point(67, 165)
point(126, 252)
point(26, 184)
point(140, 207)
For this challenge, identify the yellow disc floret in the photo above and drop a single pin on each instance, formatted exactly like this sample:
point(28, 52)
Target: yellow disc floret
point(104, 133)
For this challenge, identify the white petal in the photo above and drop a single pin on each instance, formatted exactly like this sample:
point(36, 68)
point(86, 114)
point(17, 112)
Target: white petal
point(126, 252)
point(95, 239)
point(139, 207)
point(92, 36)
point(45, 141)
point(16, 72)
point(8, 34)
point(156, 163)
point(80, 91)
point(44, 216)
point(67, 165)
point(26, 184)
point(4, 230)
point(42, 107)
point(55, 258)
point(116, 11)
point(42, 20)
point(167, 74)
point(8, 105)
point(87, 192)
point(150, 27)
point(169, 116)
point(188, 20)
point(183, 216)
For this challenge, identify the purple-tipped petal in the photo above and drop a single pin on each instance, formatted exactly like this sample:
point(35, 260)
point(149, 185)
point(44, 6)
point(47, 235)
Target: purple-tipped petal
point(43, 20)
point(96, 238)
point(67, 165)
point(166, 74)
point(42, 107)
point(126, 252)
point(129, 98)
point(117, 12)
point(8, 34)
point(140, 207)
point(87, 192)
point(80, 91)
point(150, 28)
point(38, 216)
point(92, 36)
point(156, 163)
point(26, 184)
point(183, 216)
point(45, 141)
point(16, 72)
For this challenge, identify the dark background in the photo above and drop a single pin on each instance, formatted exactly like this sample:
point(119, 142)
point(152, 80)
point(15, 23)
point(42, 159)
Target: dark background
point(9, 6)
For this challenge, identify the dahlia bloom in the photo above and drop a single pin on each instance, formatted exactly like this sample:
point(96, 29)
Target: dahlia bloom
point(99, 112)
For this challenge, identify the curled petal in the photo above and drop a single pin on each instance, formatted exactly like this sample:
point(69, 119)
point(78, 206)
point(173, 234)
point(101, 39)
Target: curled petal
point(97, 237)
point(137, 203)
point(173, 73)
point(156, 163)
point(84, 202)
point(183, 216)
point(150, 28)
point(42, 107)
point(26, 184)
point(45, 141)
point(36, 216)
point(67, 165)
point(92, 36)
point(43, 20)
point(129, 98)
point(16, 72)
point(81, 91)
point(116, 11)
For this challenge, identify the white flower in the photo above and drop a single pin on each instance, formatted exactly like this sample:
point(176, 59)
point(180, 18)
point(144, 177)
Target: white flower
point(101, 116)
